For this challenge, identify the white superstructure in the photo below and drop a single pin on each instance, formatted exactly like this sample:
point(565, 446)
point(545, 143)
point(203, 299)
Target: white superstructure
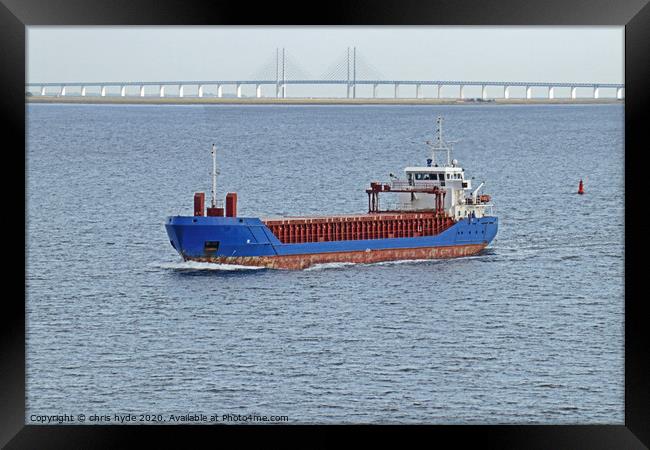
point(445, 174)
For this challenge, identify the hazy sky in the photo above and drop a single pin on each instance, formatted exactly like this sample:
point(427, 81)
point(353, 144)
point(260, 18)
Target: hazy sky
point(579, 54)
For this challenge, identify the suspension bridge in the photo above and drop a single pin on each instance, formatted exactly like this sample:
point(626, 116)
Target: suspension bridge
point(350, 70)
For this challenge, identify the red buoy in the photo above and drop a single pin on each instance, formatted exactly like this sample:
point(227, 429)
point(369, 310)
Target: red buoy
point(581, 189)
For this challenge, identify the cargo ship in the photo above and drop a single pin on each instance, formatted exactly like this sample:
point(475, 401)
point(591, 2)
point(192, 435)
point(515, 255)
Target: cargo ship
point(437, 213)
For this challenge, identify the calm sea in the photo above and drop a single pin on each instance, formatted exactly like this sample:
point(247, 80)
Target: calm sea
point(532, 331)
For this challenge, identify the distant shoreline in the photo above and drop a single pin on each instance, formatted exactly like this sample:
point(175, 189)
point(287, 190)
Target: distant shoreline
point(311, 101)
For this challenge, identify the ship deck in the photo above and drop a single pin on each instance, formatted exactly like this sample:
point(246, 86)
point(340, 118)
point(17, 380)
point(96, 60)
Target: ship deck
point(380, 225)
point(382, 215)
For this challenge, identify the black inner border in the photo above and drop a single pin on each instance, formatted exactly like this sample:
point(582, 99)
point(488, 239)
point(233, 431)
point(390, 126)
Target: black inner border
point(15, 15)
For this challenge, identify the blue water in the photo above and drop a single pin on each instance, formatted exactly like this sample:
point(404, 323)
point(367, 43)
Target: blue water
point(532, 331)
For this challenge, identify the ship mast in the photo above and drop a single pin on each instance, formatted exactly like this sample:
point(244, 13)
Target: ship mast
point(214, 176)
point(440, 145)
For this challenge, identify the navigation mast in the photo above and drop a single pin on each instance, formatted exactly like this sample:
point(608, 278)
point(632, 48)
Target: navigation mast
point(440, 145)
point(214, 176)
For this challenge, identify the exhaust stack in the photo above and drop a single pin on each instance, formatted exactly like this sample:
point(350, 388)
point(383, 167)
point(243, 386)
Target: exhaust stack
point(231, 204)
point(199, 203)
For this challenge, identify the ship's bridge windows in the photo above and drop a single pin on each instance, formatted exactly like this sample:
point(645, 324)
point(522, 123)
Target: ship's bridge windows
point(426, 176)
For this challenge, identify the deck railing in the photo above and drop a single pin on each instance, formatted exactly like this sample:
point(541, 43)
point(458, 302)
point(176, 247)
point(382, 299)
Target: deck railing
point(406, 186)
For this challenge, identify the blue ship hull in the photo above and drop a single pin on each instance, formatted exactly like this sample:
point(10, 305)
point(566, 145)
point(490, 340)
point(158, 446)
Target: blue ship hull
point(248, 241)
